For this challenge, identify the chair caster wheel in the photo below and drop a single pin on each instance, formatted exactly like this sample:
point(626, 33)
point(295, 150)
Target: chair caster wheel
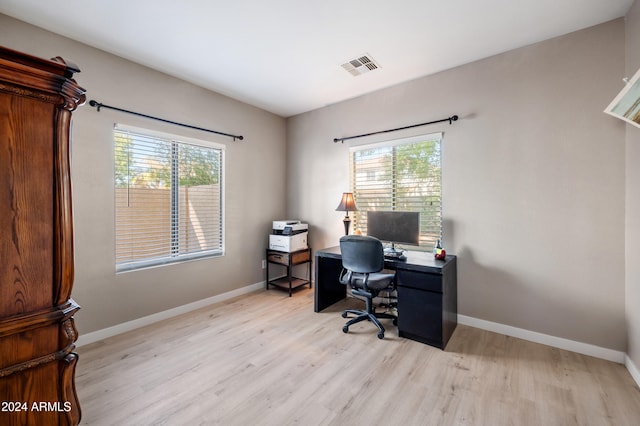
point(344, 315)
point(381, 335)
point(345, 329)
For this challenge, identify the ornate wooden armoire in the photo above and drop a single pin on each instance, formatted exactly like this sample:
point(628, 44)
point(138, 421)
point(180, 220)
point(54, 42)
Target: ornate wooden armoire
point(37, 333)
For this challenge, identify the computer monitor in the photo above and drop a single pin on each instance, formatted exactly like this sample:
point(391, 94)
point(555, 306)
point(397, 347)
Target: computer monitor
point(395, 227)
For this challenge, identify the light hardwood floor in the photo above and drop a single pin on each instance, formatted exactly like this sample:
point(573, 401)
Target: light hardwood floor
point(267, 359)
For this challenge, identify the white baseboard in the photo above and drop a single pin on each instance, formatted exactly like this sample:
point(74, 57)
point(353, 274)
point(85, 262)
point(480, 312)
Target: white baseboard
point(85, 339)
point(633, 369)
point(545, 339)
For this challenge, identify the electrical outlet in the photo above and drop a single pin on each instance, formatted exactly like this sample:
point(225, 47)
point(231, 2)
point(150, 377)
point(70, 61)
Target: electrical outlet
point(264, 264)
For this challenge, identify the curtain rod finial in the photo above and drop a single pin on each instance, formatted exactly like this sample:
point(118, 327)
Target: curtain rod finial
point(95, 104)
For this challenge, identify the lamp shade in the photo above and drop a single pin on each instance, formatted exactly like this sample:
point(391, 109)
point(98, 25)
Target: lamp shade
point(347, 203)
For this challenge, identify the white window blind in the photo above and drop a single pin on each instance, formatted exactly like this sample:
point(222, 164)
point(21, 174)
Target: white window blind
point(400, 175)
point(168, 199)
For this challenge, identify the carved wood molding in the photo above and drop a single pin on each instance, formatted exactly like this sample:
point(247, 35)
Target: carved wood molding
point(46, 80)
point(68, 390)
point(69, 334)
point(21, 323)
point(35, 362)
point(36, 94)
point(63, 272)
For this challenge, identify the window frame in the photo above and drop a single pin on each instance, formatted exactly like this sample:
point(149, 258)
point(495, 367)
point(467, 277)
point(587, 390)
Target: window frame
point(393, 144)
point(173, 258)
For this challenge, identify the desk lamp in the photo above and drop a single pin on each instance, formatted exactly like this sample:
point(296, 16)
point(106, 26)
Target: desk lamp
point(347, 204)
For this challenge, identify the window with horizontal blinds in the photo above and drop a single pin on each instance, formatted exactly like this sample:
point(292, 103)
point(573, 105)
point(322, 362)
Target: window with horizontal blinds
point(400, 175)
point(168, 199)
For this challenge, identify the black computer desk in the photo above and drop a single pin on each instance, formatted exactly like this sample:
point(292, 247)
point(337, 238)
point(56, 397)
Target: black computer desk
point(427, 293)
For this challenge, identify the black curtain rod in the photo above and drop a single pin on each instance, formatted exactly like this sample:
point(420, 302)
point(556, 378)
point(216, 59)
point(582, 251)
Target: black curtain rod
point(449, 119)
point(98, 105)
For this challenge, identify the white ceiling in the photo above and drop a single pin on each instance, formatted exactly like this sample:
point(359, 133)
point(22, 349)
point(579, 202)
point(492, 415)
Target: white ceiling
point(285, 56)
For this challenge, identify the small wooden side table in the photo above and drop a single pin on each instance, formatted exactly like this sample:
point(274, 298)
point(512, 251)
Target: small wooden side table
point(289, 260)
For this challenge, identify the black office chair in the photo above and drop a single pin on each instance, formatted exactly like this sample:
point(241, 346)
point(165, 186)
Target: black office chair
point(362, 261)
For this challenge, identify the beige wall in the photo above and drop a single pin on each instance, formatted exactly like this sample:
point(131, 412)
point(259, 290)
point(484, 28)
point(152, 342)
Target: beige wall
point(254, 175)
point(633, 198)
point(533, 179)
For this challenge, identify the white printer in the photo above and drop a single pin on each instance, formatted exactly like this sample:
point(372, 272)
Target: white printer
point(288, 235)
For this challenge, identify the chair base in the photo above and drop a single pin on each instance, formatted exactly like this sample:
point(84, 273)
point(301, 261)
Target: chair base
point(370, 316)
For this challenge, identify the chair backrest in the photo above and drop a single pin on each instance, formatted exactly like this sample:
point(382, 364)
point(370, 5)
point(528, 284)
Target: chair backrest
point(362, 254)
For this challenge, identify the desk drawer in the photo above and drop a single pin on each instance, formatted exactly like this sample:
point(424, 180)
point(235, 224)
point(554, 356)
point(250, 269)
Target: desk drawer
point(419, 280)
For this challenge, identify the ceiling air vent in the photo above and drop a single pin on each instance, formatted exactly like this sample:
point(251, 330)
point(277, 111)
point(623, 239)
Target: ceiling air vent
point(360, 65)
